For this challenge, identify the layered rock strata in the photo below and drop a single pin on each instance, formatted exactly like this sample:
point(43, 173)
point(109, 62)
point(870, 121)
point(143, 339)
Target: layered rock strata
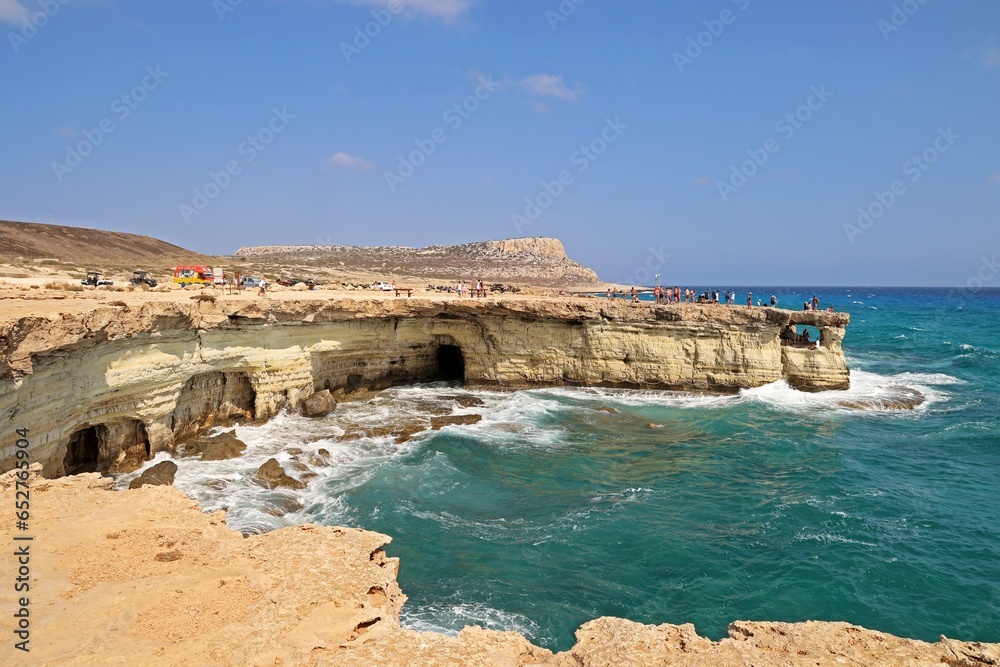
point(108, 386)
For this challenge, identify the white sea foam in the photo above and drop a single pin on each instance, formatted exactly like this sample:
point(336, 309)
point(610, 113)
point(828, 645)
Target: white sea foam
point(525, 419)
point(870, 389)
point(449, 619)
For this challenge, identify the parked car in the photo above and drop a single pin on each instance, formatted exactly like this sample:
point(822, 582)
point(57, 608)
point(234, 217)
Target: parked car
point(96, 279)
point(249, 282)
point(382, 286)
point(142, 277)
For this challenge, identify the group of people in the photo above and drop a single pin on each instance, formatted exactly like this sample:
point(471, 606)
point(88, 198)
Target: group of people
point(474, 288)
point(791, 336)
point(669, 295)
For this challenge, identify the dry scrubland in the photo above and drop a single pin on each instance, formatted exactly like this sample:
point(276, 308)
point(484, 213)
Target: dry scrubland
point(52, 253)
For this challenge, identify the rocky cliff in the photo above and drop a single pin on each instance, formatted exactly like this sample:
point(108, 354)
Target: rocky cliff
point(540, 261)
point(143, 577)
point(120, 382)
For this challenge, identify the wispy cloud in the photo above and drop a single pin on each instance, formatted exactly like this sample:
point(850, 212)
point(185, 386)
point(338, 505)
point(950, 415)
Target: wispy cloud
point(550, 85)
point(704, 182)
point(988, 56)
point(345, 161)
point(991, 57)
point(446, 10)
point(995, 178)
point(13, 11)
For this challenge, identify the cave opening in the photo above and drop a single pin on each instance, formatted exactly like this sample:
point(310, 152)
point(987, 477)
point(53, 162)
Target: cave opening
point(450, 363)
point(83, 452)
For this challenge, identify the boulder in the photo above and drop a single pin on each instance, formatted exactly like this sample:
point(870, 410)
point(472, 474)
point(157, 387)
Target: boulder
point(162, 474)
point(319, 404)
point(215, 448)
point(438, 423)
point(271, 476)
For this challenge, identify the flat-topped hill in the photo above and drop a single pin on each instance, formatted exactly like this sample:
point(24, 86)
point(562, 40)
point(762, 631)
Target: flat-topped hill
point(541, 261)
point(92, 247)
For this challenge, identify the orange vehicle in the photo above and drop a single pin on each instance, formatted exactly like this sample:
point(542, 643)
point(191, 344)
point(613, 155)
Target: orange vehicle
point(193, 275)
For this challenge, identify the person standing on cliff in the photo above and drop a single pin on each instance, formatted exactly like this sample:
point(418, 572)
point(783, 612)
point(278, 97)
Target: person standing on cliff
point(815, 302)
point(749, 299)
point(774, 301)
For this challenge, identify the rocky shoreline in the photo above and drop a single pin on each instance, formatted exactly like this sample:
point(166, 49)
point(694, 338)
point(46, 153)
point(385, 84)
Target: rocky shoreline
point(144, 577)
point(141, 374)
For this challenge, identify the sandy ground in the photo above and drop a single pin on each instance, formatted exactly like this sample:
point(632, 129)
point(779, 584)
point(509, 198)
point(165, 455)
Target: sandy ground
point(22, 297)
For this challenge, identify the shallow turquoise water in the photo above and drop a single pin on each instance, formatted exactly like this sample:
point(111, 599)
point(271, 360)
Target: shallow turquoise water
point(770, 505)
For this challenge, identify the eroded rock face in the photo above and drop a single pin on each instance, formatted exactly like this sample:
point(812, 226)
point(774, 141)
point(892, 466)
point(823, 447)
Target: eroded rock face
point(272, 476)
point(162, 474)
point(175, 368)
point(319, 404)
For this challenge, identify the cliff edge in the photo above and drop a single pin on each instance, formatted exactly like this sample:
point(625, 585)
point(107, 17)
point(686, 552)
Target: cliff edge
point(143, 577)
point(136, 375)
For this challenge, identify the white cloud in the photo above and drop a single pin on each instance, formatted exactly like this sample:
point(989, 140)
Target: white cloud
point(13, 11)
point(991, 57)
point(550, 85)
point(345, 161)
point(448, 10)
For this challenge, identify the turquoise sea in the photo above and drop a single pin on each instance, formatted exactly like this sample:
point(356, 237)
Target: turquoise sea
point(768, 505)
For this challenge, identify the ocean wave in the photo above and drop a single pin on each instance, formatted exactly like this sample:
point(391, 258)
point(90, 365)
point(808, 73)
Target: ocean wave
point(643, 398)
point(868, 391)
point(450, 619)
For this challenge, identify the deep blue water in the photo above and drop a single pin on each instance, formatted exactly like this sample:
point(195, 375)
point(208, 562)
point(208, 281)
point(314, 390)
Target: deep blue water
point(770, 505)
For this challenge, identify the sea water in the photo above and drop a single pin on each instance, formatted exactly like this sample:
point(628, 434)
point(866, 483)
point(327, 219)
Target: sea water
point(563, 505)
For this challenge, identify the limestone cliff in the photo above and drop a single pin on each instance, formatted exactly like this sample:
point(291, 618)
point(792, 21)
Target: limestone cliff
point(120, 383)
point(143, 577)
point(538, 261)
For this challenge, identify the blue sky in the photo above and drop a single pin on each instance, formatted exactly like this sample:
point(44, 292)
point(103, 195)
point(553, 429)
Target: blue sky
point(717, 142)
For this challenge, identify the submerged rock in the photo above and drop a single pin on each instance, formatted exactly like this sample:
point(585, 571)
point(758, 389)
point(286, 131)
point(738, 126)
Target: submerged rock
point(467, 401)
point(438, 423)
point(279, 507)
point(401, 432)
point(271, 476)
point(610, 411)
point(162, 474)
point(905, 399)
point(319, 404)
